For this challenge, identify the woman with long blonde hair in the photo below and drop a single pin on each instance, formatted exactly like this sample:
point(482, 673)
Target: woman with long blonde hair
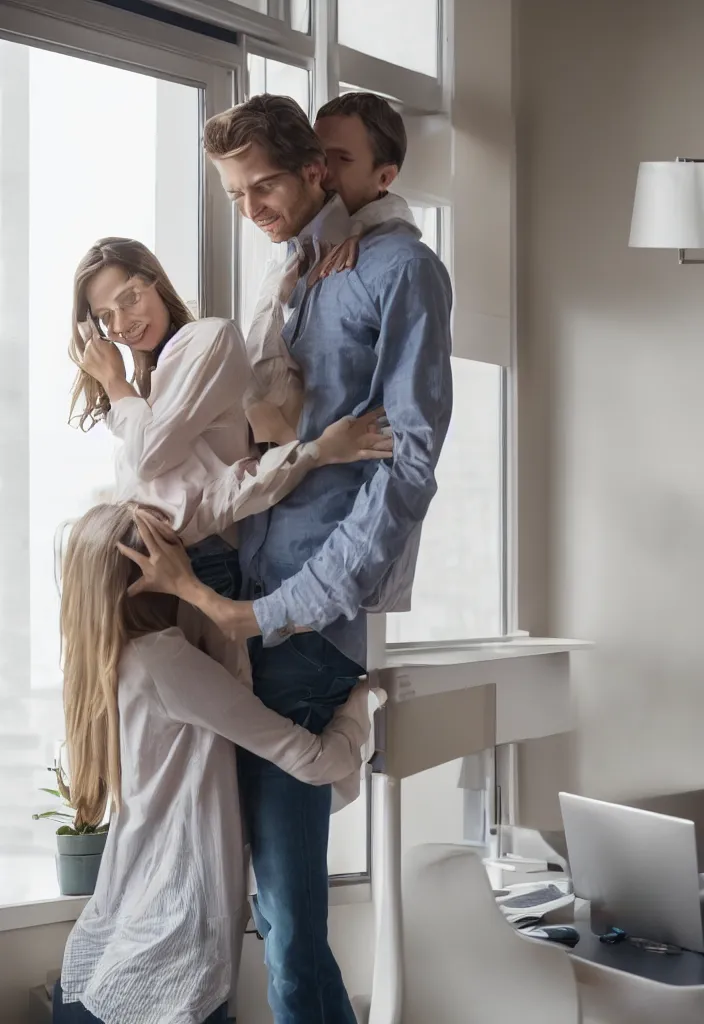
point(151, 722)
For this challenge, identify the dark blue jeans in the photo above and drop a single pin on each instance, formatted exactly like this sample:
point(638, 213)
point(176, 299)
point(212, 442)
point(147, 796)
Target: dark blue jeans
point(76, 1013)
point(287, 822)
point(216, 563)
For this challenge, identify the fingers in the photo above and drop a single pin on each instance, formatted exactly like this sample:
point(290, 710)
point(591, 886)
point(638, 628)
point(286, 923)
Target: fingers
point(160, 526)
point(152, 541)
point(138, 587)
point(379, 442)
point(152, 535)
point(373, 419)
point(370, 453)
point(135, 556)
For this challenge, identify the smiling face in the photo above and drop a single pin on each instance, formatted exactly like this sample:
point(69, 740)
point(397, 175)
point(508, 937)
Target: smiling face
point(350, 154)
point(129, 309)
point(279, 202)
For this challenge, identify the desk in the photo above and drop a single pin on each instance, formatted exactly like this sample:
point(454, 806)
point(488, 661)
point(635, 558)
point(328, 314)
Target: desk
point(685, 970)
point(442, 706)
point(624, 985)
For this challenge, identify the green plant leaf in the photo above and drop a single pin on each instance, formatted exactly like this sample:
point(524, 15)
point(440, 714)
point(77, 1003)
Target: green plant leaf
point(103, 828)
point(54, 815)
point(66, 830)
point(51, 792)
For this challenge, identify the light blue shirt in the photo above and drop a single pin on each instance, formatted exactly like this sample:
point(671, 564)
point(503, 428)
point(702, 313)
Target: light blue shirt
point(376, 335)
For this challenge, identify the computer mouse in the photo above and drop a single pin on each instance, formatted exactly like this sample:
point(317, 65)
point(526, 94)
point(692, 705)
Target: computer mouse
point(561, 933)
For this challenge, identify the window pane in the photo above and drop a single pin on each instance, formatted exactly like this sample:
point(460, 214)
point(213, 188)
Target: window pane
point(457, 592)
point(266, 75)
point(51, 213)
point(300, 15)
point(403, 32)
point(426, 217)
point(457, 589)
point(300, 11)
point(347, 848)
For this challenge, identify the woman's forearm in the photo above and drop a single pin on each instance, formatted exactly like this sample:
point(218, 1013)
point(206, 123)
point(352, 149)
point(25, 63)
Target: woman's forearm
point(118, 387)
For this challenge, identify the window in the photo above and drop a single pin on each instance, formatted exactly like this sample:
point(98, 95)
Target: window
point(403, 32)
point(297, 10)
point(458, 586)
point(63, 185)
point(457, 592)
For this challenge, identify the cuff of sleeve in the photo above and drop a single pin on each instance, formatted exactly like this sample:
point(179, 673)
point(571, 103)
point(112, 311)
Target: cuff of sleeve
point(119, 413)
point(272, 617)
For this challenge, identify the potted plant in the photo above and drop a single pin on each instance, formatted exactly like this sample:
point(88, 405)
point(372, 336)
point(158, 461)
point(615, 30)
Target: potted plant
point(79, 846)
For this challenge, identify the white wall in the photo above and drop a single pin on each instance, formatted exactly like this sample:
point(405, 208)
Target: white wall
point(611, 361)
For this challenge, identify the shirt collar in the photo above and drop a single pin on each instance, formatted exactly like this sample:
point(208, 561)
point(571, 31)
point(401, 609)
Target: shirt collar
point(331, 224)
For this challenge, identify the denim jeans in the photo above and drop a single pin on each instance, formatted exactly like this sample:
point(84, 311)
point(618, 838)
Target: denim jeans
point(287, 822)
point(216, 563)
point(76, 1013)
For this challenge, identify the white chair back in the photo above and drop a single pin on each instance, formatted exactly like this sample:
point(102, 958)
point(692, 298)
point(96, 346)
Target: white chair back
point(463, 963)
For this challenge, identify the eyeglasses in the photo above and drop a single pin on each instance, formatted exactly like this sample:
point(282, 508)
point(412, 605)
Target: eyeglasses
point(130, 299)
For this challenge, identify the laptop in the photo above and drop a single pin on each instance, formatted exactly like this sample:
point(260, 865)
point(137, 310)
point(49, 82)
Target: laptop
point(638, 869)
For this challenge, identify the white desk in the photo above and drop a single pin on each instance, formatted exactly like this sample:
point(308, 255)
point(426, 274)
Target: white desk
point(441, 706)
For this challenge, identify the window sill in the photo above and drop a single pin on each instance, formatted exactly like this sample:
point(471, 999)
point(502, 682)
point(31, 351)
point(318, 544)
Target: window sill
point(465, 654)
point(60, 909)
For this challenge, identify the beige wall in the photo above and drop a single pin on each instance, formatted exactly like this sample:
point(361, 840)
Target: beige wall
point(611, 382)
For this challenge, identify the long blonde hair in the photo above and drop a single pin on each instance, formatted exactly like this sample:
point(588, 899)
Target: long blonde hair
point(137, 261)
point(97, 620)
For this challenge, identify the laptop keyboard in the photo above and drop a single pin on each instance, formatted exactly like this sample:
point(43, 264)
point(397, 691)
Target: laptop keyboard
point(536, 898)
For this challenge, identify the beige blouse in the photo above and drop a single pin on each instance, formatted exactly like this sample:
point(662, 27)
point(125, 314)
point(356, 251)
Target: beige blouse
point(157, 942)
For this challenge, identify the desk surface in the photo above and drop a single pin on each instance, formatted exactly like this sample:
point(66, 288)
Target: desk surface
point(685, 970)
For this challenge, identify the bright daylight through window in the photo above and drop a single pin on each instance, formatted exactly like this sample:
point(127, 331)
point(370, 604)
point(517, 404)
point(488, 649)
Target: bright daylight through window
point(52, 215)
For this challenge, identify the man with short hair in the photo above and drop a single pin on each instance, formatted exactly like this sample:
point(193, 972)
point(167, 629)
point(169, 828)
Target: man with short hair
point(365, 143)
point(379, 334)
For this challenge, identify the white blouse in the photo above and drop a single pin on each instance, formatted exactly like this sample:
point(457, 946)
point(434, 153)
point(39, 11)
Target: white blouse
point(157, 941)
point(186, 449)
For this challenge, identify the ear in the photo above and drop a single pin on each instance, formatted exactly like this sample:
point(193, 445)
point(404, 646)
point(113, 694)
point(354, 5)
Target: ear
point(387, 175)
point(315, 173)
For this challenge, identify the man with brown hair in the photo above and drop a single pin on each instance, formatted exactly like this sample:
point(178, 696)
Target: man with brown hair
point(364, 140)
point(346, 539)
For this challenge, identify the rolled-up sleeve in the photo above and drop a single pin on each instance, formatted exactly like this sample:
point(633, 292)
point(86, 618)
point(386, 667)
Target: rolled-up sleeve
point(414, 380)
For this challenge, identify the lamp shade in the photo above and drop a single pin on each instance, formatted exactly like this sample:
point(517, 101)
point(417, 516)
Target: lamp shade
point(668, 210)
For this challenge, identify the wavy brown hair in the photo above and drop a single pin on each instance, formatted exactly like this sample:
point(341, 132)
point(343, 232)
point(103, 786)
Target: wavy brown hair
point(137, 261)
point(97, 620)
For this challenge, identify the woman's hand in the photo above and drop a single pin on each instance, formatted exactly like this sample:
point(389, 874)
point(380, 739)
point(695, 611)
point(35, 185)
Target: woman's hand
point(165, 568)
point(356, 440)
point(101, 358)
point(341, 257)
